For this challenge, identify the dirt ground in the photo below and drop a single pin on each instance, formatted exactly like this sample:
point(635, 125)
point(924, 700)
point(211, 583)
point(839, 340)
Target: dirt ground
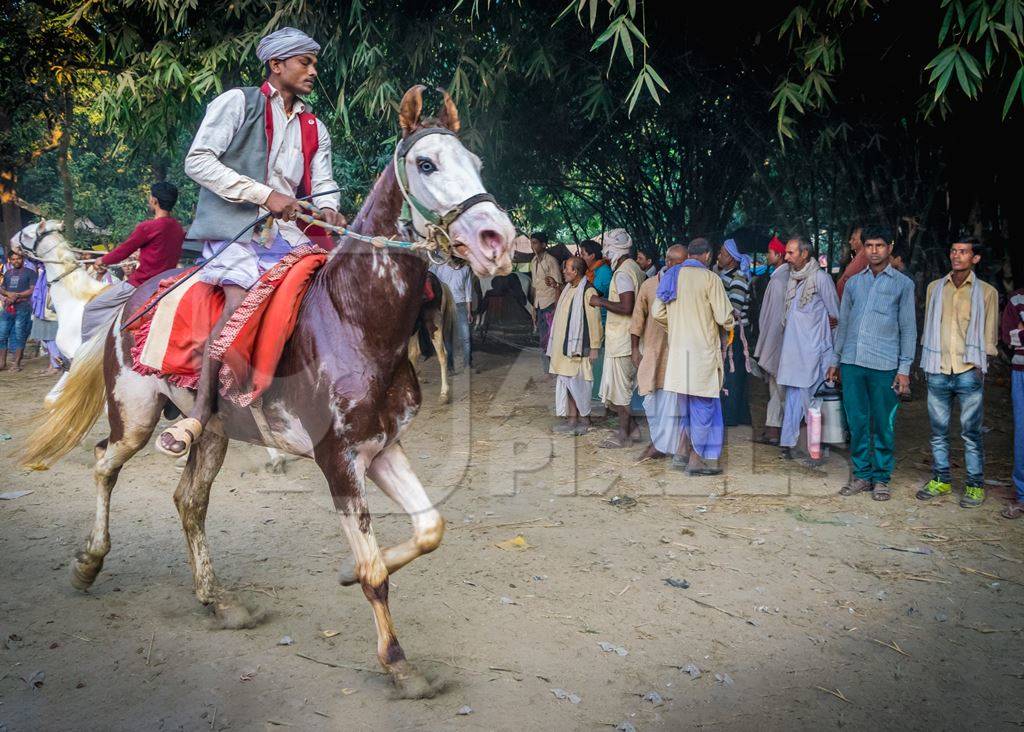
point(804, 610)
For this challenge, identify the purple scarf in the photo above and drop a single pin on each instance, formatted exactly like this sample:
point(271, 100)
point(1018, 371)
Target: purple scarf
point(39, 295)
point(667, 287)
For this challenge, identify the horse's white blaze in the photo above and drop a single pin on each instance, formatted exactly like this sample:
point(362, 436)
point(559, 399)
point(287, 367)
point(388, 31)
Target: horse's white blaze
point(457, 177)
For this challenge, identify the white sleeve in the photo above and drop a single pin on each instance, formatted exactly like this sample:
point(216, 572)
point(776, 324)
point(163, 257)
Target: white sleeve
point(623, 283)
point(321, 171)
point(223, 119)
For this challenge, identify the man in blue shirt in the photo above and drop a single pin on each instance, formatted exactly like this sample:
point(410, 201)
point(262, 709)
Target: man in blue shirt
point(874, 348)
point(16, 303)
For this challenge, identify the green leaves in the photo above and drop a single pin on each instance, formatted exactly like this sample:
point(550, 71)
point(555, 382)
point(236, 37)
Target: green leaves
point(620, 30)
point(1015, 87)
point(649, 79)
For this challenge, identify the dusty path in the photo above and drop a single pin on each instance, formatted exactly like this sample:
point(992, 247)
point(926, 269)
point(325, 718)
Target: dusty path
point(794, 604)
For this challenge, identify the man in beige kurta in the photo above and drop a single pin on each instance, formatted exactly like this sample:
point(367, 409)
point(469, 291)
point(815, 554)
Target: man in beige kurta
point(618, 373)
point(546, 277)
point(692, 303)
point(650, 354)
point(573, 347)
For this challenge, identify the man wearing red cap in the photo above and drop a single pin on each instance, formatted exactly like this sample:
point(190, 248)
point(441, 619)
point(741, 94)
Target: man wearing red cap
point(769, 340)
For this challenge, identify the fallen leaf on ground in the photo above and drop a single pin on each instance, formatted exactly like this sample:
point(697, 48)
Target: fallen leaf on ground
point(516, 543)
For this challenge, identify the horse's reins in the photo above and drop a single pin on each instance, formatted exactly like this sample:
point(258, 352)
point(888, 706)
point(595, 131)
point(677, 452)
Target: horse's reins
point(436, 237)
point(76, 265)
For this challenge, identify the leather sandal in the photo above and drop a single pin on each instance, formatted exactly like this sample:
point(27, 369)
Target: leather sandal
point(882, 492)
point(1013, 510)
point(855, 486)
point(185, 431)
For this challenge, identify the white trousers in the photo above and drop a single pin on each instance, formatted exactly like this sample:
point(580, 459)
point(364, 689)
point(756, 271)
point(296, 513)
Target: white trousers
point(663, 420)
point(578, 388)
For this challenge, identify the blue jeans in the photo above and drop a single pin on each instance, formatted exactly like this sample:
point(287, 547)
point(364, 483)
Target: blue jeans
point(1017, 382)
point(14, 328)
point(966, 388)
point(462, 335)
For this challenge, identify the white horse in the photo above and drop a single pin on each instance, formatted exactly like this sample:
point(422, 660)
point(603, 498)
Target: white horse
point(70, 285)
point(71, 288)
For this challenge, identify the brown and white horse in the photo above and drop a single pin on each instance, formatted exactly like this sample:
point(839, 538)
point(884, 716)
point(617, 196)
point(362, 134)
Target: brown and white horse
point(343, 394)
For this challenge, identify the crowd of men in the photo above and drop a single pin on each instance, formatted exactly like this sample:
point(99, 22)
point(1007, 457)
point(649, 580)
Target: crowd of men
point(674, 342)
point(616, 328)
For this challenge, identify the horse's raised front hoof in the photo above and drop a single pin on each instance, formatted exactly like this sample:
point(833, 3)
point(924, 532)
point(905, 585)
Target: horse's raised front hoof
point(234, 614)
point(410, 683)
point(276, 467)
point(347, 573)
point(446, 396)
point(84, 570)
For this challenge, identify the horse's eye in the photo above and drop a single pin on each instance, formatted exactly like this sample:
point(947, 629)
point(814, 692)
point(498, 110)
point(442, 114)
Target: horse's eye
point(425, 166)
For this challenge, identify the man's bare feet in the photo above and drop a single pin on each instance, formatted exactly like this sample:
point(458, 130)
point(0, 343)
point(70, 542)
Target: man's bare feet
point(652, 453)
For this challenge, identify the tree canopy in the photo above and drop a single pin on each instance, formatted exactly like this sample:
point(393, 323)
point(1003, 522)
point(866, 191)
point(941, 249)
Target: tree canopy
point(670, 119)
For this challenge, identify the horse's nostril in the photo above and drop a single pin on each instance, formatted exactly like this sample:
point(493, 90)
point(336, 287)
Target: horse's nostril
point(491, 242)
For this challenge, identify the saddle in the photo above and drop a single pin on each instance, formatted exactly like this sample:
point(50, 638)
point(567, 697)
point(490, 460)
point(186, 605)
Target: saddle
point(170, 338)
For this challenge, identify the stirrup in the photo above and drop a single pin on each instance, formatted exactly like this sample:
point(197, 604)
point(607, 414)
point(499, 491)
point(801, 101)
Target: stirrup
point(185, 431)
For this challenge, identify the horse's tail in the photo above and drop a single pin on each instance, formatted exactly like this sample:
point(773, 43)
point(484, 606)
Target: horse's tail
point(64, 422)
point(423, 335)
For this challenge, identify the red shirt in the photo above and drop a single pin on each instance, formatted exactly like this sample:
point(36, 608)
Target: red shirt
point(159, 243)
point(858, 264)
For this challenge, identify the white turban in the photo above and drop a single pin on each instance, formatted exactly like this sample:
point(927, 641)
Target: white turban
point(615, 244)
point(285, 43)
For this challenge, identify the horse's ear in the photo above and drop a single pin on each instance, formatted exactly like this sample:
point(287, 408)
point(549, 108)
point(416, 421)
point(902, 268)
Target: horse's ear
point(449, 116)
point(410, 109)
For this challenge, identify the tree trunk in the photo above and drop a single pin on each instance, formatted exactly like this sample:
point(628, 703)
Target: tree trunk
point(8, 188)
point(62, 167)
point(9, 202)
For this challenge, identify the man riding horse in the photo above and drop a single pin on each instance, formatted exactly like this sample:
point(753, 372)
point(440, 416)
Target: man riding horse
point(257, 150)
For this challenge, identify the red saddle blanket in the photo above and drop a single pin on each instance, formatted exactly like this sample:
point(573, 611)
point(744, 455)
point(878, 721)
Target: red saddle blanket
point(169, 340)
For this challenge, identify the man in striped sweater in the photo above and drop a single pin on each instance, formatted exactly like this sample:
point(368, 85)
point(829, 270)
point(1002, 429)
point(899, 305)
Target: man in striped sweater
point(1012, 333)
point(734, 269)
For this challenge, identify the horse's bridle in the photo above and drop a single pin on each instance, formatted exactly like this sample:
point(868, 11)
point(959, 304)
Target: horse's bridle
point(30, 254)
point(438, 225)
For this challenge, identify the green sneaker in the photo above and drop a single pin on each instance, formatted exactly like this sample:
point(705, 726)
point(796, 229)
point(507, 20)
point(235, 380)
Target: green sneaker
point(933, 489)
point(973, 497)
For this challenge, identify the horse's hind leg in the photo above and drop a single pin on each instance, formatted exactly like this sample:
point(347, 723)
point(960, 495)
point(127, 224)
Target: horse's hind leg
point(437, 338)
point(391, 471)
point(192, 498)
point(133, 409)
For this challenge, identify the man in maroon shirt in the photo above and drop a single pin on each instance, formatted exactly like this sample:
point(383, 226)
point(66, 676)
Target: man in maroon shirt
point(158, 241)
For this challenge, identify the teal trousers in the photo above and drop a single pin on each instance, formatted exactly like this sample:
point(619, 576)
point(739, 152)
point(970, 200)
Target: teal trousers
point(870, 405)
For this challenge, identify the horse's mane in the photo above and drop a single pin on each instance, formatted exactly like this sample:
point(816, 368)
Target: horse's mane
point(78, 283)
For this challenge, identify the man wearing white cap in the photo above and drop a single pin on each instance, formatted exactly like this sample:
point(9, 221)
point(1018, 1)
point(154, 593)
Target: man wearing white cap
point(257, 150)
point(618, 375)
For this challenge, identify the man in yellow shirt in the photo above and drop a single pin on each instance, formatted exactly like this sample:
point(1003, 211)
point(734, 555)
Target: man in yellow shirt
point(692, 304)
point(961, 324)
point(618, 373)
